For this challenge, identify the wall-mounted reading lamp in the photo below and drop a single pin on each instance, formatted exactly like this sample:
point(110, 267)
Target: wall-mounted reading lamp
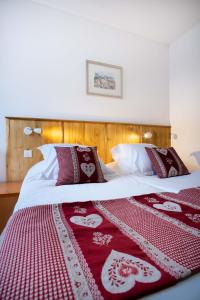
point(148, 135)
point(29, 130)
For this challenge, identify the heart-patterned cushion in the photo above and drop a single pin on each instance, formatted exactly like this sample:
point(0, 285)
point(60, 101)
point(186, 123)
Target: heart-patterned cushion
point(168, 206)
point(166, 162)
point(91, 221)
point(121, 271)
point(78, 165)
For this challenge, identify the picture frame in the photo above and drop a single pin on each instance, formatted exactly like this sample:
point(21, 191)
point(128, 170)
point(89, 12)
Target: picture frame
point(103, 79)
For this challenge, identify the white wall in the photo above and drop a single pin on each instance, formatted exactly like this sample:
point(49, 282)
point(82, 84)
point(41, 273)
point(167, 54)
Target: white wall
point(42, 69)
point(185, 95)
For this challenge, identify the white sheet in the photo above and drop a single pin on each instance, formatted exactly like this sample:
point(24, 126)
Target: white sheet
point(38, 192)
point(172, 184)
point(188, 289)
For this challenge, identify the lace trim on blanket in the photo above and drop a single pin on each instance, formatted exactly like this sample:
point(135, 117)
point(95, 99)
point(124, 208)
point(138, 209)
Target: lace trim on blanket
point(83, 283)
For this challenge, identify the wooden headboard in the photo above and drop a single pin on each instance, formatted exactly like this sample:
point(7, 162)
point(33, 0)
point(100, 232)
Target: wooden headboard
point(104, 135)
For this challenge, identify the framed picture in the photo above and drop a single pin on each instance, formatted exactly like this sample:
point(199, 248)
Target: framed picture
point(104, 79)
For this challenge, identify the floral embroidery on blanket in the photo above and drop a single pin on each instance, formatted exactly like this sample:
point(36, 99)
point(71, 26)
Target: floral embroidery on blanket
point(101, 239)
point(151, 200)
point(194, 217)
point(80, 210)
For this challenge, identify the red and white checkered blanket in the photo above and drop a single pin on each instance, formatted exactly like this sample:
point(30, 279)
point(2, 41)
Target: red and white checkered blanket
point(119, 249)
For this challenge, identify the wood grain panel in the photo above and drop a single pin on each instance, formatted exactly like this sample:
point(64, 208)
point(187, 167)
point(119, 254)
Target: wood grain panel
point(121, 134)
point(160, 135)
point(74, 133)
point(95, 135)
point(86, 133)
point(17, 142)
point(104, 135)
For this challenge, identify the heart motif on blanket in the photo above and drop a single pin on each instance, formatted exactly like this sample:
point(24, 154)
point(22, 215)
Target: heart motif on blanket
point(91, 221)
point(168, 206)
point(121, 271)
point(88, 169)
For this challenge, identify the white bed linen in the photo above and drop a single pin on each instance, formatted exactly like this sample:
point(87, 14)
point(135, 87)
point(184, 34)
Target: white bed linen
point(38, 192)
point(188, 289)
point(172, 184)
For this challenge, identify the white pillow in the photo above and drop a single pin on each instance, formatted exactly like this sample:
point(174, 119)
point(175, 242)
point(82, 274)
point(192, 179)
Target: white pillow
point(36, 172)
point(51, 167)
point(133, 159)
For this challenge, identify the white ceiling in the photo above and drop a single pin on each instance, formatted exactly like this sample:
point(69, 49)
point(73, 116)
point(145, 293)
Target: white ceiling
point(159, 20)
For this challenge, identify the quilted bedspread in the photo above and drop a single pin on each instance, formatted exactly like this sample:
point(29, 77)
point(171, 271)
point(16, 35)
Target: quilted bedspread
point(118, 249)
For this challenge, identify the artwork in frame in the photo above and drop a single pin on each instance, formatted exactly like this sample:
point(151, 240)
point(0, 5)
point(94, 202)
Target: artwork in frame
point(104, 79)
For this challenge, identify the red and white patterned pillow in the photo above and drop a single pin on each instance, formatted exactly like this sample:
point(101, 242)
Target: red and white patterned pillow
point(166, 162)
point(78, 165)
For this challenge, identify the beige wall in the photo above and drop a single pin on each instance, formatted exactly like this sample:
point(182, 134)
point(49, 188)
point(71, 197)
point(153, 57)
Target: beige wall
point(185, 96)
point(42, 69)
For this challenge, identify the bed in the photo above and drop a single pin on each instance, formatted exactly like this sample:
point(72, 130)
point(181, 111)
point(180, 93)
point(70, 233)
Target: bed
point(50, 222)
point(132, 237)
